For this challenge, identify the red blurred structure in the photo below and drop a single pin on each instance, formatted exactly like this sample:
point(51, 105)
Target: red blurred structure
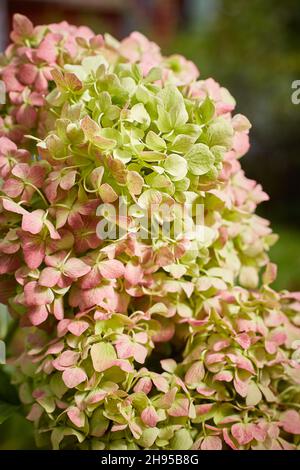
point(158, 18)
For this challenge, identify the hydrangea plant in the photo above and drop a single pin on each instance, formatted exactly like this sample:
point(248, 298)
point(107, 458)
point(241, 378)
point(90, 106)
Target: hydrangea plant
point(167, 341)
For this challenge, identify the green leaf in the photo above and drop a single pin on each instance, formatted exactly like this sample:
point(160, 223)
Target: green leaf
point(220, 132)
point(192, 130)
point(254, 395)
point(57, 385)
point(182, 143)
point(122, 155)
point(92, 133)
point(148, 437)
point(178, 115)
point(140, 401)
point(206, 110)
point(153, 75)
point(98, 423)
point(154, 142)
point(249, 277)
point(171, 112)
point(151, 156)
point(163, 122)
point(47, 403)
point(267, 392)
point(103, 355)
point(221, 412)
point(182, 440)
point(218, 152)
point(182, 185)
point(200, 159)
point(59, 433)
point(176, 166)
point(92, 63)
point(139, 114)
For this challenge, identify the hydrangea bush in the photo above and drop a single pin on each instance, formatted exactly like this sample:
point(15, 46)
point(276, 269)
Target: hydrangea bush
point(172, 341)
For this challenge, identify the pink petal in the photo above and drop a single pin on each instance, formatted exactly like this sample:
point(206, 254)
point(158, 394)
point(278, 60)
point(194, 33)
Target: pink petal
point(225, 376)
point(179, 408)
point(33, 221)
point(141, 337)
point(62, 327)
point(55, 348)
point(68, 180)
point(27, 73)
point(22, 26)
point(26, 116)
point(133, 274)
point(242, 433)
point(160, 383)
point(124, 348)
point(91, 279)
point(74, 376)
point(111, 269)
point(291, 421)
point(9, 263)
point(58, 308)
point(76, 416)
point(243, 340)
point(21, 171)
point(13, 187)
point(241, 385)
point(49, 277)
point(34, 251)
point(37, 295)
point(241, 362)
point(140, 353)
point(38, 315)
point(205, 390)
point(7, 146)
point(56, 259)
point(78, 327)
point(13, 207)
point(97, 296)
point(65, 359)
point(123, 364)
point(143, 385)
point(53, 233)
point(203, 409)
point(47, 51)
point(195, 373)
point(211, 443)
point(228, 440)
point(37, 175)
point(149, 416)
point(75, 268)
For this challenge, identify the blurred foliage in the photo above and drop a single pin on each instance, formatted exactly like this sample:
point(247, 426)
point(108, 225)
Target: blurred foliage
point(286, 255)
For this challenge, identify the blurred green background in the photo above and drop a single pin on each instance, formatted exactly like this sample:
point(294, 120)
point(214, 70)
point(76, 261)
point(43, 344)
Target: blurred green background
point(250, 47)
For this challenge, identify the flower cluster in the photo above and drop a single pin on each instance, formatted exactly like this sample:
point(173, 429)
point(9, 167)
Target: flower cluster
point(172, 341)
point(25, 69)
